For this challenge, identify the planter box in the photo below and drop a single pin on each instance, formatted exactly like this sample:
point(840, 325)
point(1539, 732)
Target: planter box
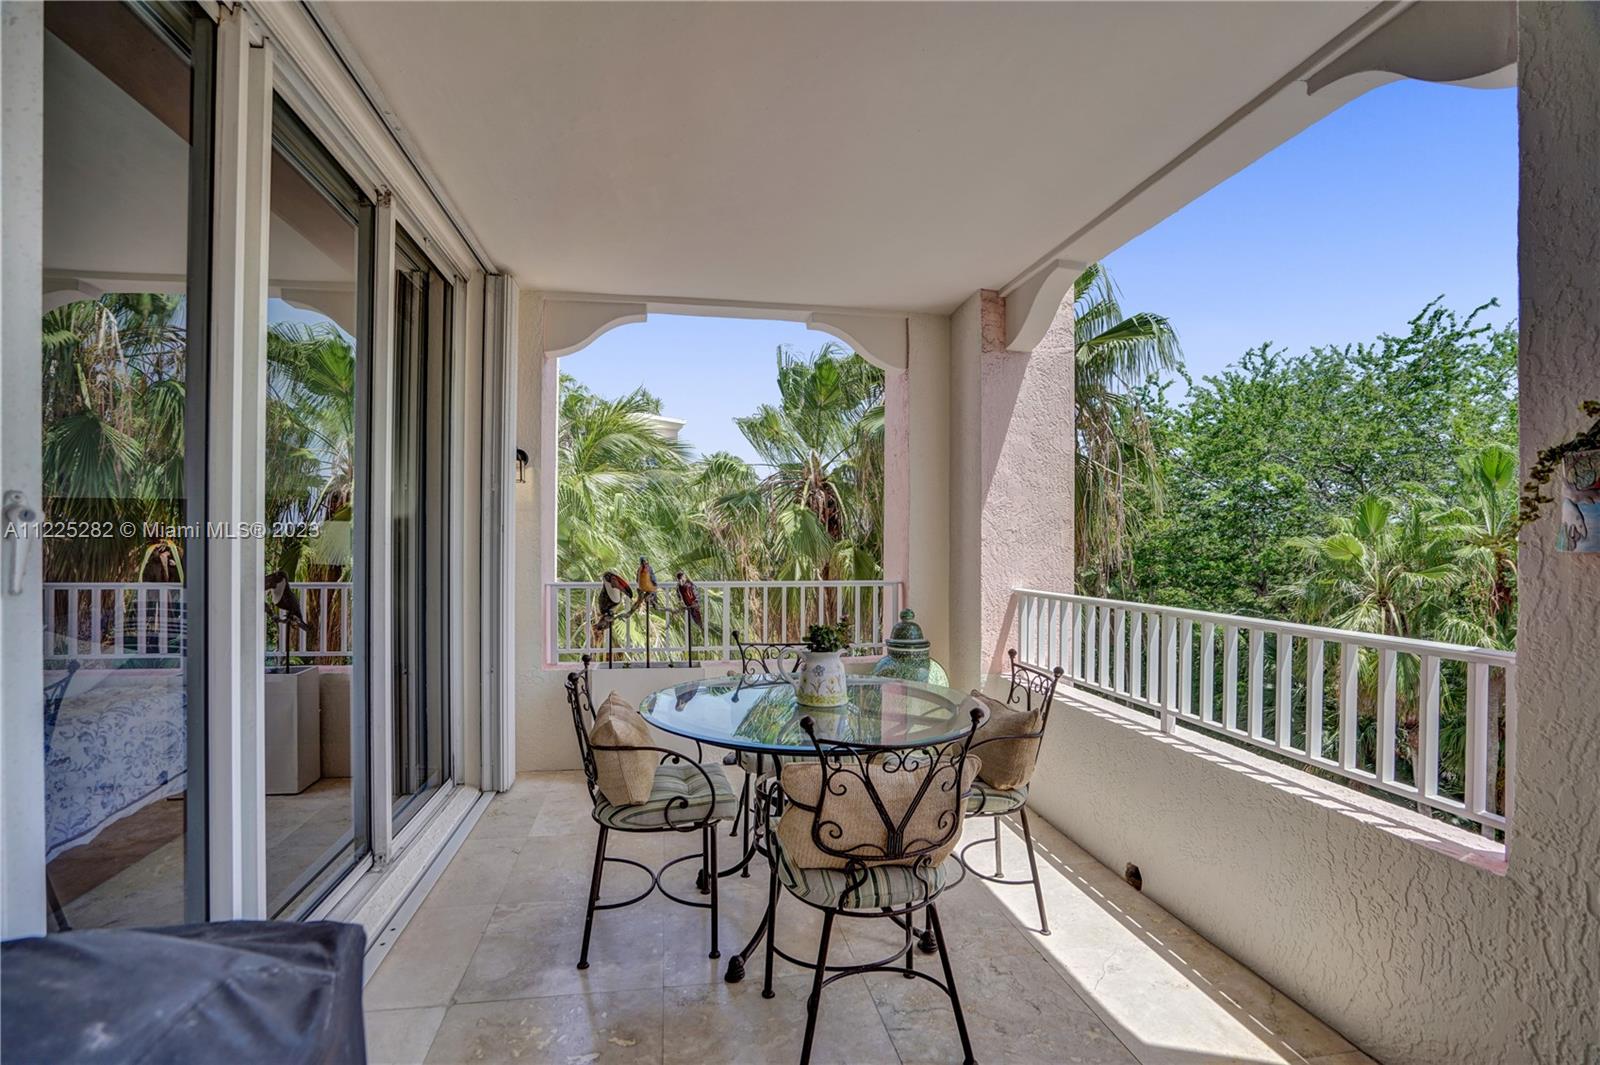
point(293, 714)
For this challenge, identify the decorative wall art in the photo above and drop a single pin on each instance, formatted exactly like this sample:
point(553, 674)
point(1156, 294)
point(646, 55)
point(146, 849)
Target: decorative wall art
point(1580, 503)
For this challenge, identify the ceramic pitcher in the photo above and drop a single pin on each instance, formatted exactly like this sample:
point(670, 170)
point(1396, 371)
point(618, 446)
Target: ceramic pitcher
point(820, 679)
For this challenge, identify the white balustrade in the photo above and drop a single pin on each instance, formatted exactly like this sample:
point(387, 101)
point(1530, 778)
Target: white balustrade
point(1386, 712)
point(759, 611)
point(109, 624)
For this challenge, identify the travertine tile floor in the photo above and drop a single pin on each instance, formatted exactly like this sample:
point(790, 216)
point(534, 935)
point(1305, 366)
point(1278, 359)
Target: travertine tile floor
point(485, 971)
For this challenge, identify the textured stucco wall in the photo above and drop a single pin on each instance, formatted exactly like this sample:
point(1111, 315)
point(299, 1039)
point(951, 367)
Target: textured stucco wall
point(1011, 475)
point(1555, 857)
point(928, 476)
point(1403, 948)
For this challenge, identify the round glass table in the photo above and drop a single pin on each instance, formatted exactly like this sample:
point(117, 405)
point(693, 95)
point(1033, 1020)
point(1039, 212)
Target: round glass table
point(761, 714)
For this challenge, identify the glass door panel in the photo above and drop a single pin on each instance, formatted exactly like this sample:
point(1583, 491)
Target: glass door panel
point(123, 423)
point(319, 267)
point(420, 539)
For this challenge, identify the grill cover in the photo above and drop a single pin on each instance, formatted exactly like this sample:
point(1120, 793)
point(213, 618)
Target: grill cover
point(234, 991)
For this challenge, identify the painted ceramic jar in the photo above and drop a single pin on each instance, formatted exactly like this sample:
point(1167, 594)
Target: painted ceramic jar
point(821, 679)
point(908, 657)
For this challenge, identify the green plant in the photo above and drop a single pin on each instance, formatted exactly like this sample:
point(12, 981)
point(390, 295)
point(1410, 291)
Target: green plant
point(825, 638)
point(1544, 467)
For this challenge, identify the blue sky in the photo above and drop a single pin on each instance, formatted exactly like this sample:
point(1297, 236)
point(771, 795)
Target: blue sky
point(1405, 194)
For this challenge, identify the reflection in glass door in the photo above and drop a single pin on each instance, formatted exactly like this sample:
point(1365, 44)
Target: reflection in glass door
point(420, 538)
point(127, 114)
point(318, 276)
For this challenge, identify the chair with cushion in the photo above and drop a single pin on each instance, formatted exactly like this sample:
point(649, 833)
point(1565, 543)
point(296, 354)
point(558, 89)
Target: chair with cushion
point(637, 786)
point(867, 831)
point(759, 663)
point(1008, 745)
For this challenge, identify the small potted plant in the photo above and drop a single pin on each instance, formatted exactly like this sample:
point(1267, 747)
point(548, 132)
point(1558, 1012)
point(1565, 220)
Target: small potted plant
point(820, 681)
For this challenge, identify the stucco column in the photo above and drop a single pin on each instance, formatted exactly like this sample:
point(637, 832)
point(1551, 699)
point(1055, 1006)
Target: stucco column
point(1012, 449)
point(916, 463)
point(1555, 839)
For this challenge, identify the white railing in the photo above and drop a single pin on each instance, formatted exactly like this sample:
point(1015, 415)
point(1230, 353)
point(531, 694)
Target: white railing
point(758, 611)
point(328, 607)
point(1433, 723)
point(107, 624)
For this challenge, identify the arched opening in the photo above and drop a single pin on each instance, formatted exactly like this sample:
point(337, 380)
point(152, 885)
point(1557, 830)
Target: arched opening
point(746, 455)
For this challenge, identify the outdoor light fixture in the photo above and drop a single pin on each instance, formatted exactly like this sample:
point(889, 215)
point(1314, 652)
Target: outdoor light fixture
point(522, 466)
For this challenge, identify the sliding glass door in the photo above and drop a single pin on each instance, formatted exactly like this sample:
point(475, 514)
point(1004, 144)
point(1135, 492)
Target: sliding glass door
point(127, 113)
point(318, 333)
point(421, 737)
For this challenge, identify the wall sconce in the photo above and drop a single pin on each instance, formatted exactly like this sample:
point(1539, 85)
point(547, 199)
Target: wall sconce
point(522, 466)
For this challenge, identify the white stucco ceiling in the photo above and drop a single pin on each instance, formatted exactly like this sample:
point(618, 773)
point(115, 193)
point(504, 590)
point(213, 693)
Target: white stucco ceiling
point(892, 155)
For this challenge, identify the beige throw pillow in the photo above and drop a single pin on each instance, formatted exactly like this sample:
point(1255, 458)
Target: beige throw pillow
point(1007, 763)
point(624, 777)
point(849, 806)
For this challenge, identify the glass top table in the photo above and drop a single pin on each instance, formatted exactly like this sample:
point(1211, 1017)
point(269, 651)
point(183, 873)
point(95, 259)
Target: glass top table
point(761, 714)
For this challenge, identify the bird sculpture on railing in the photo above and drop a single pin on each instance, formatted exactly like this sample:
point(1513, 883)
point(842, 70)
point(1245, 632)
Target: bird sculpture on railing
point(690, 598)
point(646, 588)
point(285, 604)
point(614, 595)
point(161, 565)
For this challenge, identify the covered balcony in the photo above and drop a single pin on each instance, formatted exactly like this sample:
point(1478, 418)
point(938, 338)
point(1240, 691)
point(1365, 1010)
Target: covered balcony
point(1254, 839)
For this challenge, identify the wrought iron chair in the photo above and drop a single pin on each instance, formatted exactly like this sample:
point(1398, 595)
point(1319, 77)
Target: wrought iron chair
point(888, 818)
point(1038, 688)
point(757, 660)
point(54, 693)
point(685, 797)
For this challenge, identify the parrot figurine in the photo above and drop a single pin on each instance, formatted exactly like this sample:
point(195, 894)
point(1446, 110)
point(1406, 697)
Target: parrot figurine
point(645, 592)
point(689, 598)
point(285, 604)
point(614, 594)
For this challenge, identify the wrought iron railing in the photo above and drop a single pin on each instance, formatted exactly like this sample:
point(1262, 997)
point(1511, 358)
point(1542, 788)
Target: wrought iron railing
point(1432, 723)
point(663, 634)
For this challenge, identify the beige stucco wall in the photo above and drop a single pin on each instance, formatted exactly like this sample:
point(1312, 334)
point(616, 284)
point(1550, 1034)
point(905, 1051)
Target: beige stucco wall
point(1555, 860)
point(1011, 475)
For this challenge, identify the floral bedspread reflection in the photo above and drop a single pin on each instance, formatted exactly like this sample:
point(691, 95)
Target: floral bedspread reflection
point(119, 744)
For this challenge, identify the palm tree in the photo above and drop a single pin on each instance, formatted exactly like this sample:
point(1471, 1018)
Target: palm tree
point(615, 475)
point(113, 408)
point(1409, 569)
point(1117, 353)
point(1488, 529)
point(822, 502)
point(310, 432)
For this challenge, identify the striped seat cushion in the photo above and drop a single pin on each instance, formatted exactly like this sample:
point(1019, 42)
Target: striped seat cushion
point(886, 885)
point(987, 800)
point(677, 797)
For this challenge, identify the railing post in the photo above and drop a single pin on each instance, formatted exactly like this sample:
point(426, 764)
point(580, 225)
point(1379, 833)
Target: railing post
point(1477, 766)
point(1314, 697)
point(1385, 763)
point(1255, 667)
point(1169, 661)
point(1283, 694)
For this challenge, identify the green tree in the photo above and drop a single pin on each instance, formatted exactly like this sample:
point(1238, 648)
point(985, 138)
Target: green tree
point(1117, 463)
point(112, 406)
point(310, 434)
point(1278, 447)
point(822, 501)
point(616, 477)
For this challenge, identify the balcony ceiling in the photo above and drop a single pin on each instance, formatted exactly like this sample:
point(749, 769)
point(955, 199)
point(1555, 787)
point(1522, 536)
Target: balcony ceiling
point(896, 156)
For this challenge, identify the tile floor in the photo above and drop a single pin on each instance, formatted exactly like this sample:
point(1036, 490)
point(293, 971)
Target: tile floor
point(485, 971)
point(132, 873)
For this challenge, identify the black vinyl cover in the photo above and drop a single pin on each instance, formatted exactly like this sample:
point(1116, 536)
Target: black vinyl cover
point(230, 992)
